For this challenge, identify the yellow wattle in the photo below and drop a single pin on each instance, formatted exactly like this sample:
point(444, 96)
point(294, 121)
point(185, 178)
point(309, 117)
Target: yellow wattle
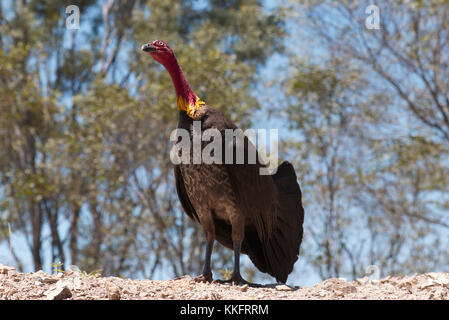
point(189, 108)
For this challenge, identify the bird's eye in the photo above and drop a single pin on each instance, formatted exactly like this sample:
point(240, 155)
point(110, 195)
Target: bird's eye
point(160, 43)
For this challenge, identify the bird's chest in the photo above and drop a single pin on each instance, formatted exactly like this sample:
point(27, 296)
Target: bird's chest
point(208, 188)
point(207, 185)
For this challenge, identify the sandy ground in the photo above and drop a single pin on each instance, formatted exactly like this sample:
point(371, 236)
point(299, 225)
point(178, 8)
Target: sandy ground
point(78, 286)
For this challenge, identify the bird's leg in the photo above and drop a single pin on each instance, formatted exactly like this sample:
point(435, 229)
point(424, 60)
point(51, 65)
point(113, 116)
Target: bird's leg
point(206, 275)
point(236, 276)
point(207, 272)
point(238, 234)
point(209, 232)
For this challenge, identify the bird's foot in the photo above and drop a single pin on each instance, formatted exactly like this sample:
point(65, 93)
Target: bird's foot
point(235, 280)
point(204, 278)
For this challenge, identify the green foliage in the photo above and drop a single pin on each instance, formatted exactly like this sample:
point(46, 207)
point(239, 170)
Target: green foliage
point(57, 266)
point(86, 119)
point(226, 274)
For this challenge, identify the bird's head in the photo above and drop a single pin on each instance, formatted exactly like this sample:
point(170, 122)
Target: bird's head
point(160, 51)
point(187, 100)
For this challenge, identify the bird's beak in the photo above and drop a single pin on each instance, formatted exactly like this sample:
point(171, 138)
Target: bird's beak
point(148, 48)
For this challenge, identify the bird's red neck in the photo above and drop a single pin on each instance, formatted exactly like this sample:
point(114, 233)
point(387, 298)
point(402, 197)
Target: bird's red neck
point(187, 100)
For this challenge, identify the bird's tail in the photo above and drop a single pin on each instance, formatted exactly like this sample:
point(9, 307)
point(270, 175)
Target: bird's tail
point(278, 255)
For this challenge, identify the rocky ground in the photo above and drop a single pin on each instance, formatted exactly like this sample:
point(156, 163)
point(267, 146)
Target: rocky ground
point(79, 286)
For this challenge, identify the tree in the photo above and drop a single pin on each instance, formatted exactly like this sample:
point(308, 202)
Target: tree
point(370, 109)
point(85, 126)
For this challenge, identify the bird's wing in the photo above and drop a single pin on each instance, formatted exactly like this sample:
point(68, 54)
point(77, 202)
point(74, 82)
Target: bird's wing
point(182, 194)
point(255, 193)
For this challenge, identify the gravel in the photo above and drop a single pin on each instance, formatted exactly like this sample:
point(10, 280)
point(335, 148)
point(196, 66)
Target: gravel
point(73, 285)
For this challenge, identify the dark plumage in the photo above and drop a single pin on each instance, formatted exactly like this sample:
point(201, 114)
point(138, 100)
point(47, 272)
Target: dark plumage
point(258, 215)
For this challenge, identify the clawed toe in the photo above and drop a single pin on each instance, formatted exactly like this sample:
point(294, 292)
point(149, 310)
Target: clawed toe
point(203, 278)
point(235, 280)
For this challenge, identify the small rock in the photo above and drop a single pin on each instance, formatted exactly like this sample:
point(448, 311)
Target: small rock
point(12, 273)
point(69, 273)
point(406, 285)
point(6, 269)
point(144, 295)
point(322, 293)
point(414, 279)
point(39, 273)
point(49, 280)
point(432, 275)
point(73, 269)
point(59, 292)
point(244, 288)
point(283, 287)
point(362, 281)
point(427, 284)
point(215, 296)
point(442, 281)
point(11, 291)
point(347, 289)
point(113, 292)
